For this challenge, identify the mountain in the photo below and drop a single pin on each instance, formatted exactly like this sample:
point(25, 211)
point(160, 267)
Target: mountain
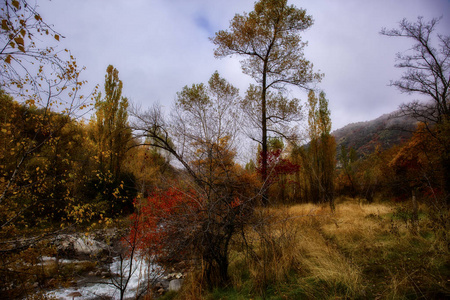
point(385, 131)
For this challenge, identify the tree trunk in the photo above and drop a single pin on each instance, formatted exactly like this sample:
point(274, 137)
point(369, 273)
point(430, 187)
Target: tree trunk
point(265, 188)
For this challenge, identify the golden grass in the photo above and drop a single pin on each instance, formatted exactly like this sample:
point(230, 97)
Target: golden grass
point(358, 251)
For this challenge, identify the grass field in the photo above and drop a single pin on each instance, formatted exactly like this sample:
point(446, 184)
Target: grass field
point(361, 251)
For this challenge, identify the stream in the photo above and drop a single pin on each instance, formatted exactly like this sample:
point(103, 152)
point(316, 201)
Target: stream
point(97, 287)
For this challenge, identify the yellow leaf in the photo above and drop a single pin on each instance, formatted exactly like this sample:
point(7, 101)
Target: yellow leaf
point(56, 37)
point(16, 4)
point(5, 24)
point(19, 40)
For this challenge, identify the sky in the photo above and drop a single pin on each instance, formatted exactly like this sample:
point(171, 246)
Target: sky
point(160, 46)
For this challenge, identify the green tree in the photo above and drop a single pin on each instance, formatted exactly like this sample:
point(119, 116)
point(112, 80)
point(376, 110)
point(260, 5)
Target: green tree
point(268, 39)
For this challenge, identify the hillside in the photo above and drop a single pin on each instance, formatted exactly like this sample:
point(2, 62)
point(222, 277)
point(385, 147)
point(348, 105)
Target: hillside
point(385, 131)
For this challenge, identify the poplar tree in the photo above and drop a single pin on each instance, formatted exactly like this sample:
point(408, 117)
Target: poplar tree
point(112, 130)
point(268, 40)
point(322, 150)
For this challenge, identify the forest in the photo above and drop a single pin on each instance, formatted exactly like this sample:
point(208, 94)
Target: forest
point(313, 214)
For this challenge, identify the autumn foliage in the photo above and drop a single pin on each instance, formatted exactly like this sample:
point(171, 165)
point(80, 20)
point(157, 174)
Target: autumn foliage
point(277, 165)
point(153, 222)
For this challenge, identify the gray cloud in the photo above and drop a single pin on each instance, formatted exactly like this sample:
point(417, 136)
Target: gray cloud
point(159, 46)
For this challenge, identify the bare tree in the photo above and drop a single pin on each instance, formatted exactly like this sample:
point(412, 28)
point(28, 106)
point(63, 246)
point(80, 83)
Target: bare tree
point(427, 69)
point(200, 135)
point(427, 72)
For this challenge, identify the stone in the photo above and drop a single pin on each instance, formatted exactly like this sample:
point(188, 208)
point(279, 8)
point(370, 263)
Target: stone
point(74, 244)
point(175, 285)
point(88, 246)
point(74, 294)
point(165, 284)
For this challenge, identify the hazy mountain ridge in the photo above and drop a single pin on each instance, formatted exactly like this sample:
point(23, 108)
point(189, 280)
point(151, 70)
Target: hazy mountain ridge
point(385, 131)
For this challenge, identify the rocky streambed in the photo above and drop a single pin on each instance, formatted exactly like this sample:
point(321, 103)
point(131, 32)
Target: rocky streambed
point(111, 275)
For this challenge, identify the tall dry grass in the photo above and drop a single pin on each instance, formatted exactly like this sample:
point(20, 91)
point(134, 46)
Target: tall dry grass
point(358, 251)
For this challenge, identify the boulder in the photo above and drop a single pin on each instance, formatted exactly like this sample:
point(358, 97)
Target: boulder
point(175, 285)
point(88, 246)
point(70, 245)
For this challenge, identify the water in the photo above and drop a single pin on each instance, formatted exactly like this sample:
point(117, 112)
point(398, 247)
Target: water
point(102, 288)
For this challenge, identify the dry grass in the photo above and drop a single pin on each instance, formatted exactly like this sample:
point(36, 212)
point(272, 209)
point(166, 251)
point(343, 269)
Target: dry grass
point(359, 251)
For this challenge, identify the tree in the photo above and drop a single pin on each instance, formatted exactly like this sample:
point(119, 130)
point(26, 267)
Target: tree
point(347, 176)
point(322, 150)
point(427, 69)
point(112, 135)
point(39, 77)
point(427, 72)
point(268, 39)
point(150, 169)
point(279, 169)
point(200, 135)
point(112, 129)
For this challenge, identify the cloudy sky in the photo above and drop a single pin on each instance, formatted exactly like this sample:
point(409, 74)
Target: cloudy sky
point(159, 46)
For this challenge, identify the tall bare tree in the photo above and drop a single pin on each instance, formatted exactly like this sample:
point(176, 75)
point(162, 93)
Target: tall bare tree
point(427, 72)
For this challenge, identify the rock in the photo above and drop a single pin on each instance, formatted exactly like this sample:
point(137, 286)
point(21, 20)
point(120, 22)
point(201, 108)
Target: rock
point(74, 294)
point(165, 284)
point(161, 291)
point(87, 245)
point(70, 245)
point(175, 285)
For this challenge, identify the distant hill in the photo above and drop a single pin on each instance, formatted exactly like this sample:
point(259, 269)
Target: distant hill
point(385, 131)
